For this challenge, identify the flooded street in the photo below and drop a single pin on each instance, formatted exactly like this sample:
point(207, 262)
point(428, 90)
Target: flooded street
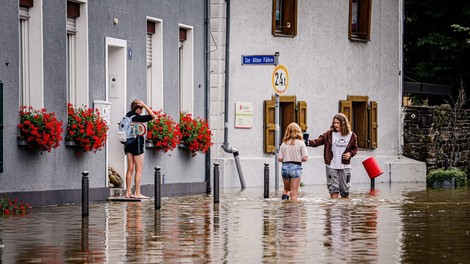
point(399, 223)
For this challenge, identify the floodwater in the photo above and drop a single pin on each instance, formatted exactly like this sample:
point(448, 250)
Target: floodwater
point(399, 223)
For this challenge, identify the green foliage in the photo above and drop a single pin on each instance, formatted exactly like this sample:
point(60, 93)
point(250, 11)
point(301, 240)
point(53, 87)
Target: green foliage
point(437, 41)
point(441, 175)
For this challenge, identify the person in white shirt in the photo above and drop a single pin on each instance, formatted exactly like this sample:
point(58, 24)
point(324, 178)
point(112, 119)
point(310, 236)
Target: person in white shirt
point(340, 146)
point(292, 153)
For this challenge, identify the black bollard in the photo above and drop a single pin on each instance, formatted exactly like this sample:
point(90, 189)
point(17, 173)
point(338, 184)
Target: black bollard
point(216, 182)
point(85, 200)
point(372, 183)
point(266, 180)
point(158, 188)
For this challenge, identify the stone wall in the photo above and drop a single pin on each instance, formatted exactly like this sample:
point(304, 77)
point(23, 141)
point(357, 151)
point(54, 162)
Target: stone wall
point(437, 135)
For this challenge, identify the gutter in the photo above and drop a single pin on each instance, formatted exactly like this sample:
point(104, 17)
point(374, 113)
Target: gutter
point(226, 146)
point(207, 32)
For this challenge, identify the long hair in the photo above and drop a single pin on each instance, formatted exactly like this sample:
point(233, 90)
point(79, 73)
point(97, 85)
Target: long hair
point(293, 132)
point(344, 128)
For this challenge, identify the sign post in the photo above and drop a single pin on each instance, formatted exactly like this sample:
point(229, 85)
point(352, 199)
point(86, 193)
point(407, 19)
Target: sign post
point(280, 82)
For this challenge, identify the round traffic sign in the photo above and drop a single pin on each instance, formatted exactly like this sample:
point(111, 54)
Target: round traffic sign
point(280, 79)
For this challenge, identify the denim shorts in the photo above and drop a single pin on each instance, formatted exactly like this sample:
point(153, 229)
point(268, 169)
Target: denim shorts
point(291, 170)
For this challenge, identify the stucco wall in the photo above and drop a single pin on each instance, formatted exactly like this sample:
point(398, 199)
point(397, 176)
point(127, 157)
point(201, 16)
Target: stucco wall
point(61, 168)
point(324, 67)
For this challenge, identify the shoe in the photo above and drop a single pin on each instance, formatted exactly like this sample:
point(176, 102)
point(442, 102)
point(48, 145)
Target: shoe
point(285, 197)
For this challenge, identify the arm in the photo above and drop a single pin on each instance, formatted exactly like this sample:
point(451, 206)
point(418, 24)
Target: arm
point(316, 142)
point(142, 104)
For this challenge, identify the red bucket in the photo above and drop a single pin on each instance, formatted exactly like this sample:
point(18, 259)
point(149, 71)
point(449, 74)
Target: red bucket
point(372, 168)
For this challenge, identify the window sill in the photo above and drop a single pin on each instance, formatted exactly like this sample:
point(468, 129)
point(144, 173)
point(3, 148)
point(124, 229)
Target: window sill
point(356, 39)
point(283, 35)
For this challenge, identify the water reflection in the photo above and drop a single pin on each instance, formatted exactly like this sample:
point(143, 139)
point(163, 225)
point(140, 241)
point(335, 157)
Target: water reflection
point(401, 223)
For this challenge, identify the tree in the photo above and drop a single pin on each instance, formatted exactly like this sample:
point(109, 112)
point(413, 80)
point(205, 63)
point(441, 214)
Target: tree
point(437, 41)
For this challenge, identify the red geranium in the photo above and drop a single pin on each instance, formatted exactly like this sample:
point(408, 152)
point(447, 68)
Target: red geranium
point(12, 207)
point(87, 128)
point(40, 129)
point(164, 132)
point(195, 133)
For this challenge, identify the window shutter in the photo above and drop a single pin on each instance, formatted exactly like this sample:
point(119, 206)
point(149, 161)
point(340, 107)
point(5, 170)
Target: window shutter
point(345, 107)
point(269, 126)
point(71, 25)
point(149, 50)
point(289, 20)
point(373, 124)
point(302, 115)
point(364, 19)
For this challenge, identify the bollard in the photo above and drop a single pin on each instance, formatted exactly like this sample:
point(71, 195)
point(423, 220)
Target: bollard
point(266, 180)
point(85, 186)
point(216, 182)
point(158, 188)
point(372, 183)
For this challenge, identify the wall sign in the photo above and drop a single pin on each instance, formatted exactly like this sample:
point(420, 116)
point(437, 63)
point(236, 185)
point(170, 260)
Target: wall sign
point(243, 115)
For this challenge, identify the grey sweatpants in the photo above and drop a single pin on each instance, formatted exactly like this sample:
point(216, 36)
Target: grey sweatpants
point(338, 181)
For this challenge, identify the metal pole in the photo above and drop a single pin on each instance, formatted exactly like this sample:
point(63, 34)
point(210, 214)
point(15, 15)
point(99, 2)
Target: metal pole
point(276, 143)
point(85, 200)
point(158, 188)
point(266, 180)
point(216, 182)
point(372, 183)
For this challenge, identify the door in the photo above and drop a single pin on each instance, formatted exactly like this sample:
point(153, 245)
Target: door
point(116, 68)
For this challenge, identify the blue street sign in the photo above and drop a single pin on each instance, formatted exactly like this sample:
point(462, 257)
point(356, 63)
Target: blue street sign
point(259, 60)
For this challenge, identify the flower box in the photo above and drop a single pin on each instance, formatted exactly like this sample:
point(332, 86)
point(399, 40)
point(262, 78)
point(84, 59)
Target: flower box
point(196, 135)
point(70, 143)
point(21, 141)
point(149, 144)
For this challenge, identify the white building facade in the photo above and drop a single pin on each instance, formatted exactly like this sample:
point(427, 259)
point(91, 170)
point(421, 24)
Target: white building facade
point(341, 56)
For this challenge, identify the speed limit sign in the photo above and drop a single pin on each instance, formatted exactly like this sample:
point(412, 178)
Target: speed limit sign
point(280, 79)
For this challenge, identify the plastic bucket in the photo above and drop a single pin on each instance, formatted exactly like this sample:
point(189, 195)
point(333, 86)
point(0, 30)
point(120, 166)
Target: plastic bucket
point(373, 169)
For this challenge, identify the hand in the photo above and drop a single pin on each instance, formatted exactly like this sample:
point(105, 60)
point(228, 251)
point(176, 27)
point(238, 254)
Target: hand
point(346, 156)
point(140, 103)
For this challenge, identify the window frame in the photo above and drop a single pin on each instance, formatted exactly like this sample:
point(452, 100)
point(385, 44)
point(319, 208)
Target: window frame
point(154, 62)
point(288, 16)
point(186, 68)
point(363, 25)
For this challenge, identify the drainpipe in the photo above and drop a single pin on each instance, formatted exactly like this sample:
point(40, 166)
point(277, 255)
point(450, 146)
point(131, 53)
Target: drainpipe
point(207, 87)
point(227, 148)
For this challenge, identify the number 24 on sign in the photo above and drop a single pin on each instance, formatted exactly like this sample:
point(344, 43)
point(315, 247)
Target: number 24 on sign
point(280, 79)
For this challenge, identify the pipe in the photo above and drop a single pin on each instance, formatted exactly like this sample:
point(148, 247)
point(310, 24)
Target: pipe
point(207, 68)
point(226, 146)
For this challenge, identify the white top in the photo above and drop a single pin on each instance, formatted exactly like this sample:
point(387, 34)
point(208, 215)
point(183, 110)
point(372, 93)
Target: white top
point(293, 153)
point(338, 146)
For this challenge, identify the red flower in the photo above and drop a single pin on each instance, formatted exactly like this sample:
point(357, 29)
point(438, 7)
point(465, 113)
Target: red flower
point(87, 128)
point(164, 132)
point(42, 130)
point(12, 207)
point(195, 133)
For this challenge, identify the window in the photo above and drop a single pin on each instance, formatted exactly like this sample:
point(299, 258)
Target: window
point(154, 63)
point(77, 54)
point(362, 116)
point(185, 69)
point(284, 21)
point(359, 19)
point(290, 110)
point(30, 52)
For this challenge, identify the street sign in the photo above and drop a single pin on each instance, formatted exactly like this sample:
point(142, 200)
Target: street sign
point(259, 60)
point(280, 79)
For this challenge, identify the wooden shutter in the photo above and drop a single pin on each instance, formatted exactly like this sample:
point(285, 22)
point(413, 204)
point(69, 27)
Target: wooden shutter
point(345, 107)
point(73, 9)
point(302, 115)
point(373, 124)
point(363, 19)
point(289, 19)
point(269, 126)
point(26, 3)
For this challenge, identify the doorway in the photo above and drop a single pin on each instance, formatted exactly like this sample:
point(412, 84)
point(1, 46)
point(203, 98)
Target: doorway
point(116, 94)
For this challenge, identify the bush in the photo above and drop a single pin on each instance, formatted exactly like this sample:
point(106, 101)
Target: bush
point(441, 175)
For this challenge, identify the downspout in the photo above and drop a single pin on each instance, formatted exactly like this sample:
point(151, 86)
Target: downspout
point(227, 148)
point(207, 87)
